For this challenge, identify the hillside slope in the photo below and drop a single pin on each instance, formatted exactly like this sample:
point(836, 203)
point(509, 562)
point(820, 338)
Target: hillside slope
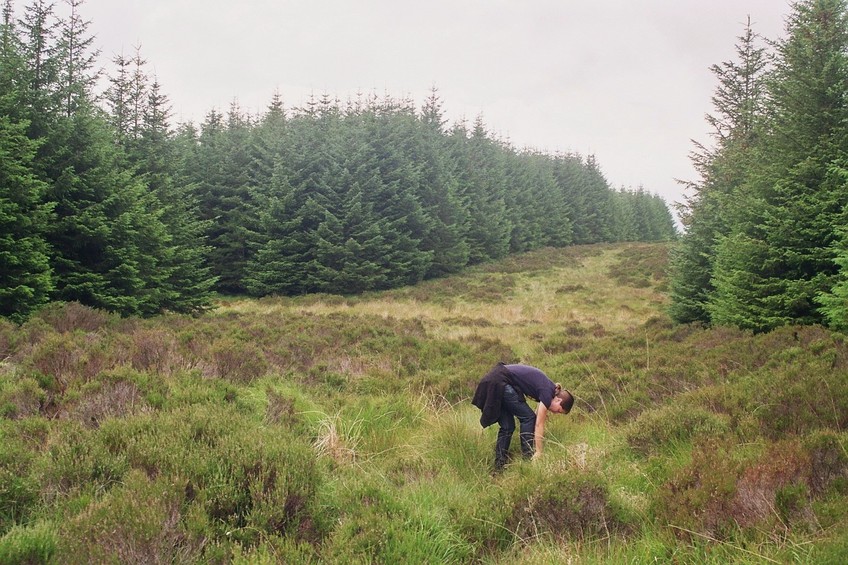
point(338, 430)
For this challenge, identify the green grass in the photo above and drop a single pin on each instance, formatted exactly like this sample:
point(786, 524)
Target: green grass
point(329, 429)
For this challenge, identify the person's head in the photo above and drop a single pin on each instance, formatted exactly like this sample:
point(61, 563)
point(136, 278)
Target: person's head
point(562, 402)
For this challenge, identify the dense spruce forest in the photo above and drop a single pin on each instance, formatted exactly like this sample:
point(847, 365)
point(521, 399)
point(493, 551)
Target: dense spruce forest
point(107, 203)
point(766, 243)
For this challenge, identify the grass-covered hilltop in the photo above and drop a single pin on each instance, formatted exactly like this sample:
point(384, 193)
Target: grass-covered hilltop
point(326, 429)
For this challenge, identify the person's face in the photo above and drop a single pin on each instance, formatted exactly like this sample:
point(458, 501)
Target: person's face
point(556, 406)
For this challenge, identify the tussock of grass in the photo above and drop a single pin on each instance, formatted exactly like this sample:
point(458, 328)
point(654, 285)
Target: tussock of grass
point(329, 429)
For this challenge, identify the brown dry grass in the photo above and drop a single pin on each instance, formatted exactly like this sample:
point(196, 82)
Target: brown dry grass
point(526, 307)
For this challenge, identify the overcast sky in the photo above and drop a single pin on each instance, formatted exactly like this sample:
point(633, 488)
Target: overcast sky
point(625, 80)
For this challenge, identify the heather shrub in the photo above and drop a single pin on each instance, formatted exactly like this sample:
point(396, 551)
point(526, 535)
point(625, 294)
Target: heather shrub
point(100, 400)
point(138, 522)
point(155, 350)
point(641, 266)
point(59, 357)
point(699, 497)
point(67, 317)
point(242, 480)
point(679, 421)
point(236, 361)
point(269, 488)
point(565, 341)
point(774, 486)
point(280, 409)
point(565, 506)
point(190, 388)
point(8, 331)
point(274, 550)
point(76, 460)
point(801, 396)
point(828, 461)
point(20, 397)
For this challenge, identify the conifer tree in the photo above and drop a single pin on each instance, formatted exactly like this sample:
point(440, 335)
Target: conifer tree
point(39, 51)
point(25, 273)
point(187, 281)
point(76, 59)
point(108, 239)
point(447, 223)
point(389, 178)
point(302, 197)
point(481, 181)
point(738, 103)
point(586, 197)
point(791, 215)
point(624, 217)
point(287, 217)
point(220, 173)
point(834, 302)
point(117, 98)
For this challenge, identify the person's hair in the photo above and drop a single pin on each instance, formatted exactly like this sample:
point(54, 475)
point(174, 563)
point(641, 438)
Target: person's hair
point(567, 398)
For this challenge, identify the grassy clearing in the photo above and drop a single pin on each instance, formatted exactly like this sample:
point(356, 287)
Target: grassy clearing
point(328, 429)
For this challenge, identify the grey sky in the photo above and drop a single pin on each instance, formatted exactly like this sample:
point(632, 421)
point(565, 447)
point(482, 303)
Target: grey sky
point(625, 80)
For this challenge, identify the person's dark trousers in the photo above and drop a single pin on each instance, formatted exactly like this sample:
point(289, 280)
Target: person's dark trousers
point(514, 406)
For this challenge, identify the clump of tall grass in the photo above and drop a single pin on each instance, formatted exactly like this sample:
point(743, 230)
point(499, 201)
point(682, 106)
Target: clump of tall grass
point(337, 439)
point(33, 543)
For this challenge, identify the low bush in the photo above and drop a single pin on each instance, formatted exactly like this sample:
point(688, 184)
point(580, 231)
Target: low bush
point(563, 507)
point(101, 400)
point(8, 332)
point(698, 499)
point(661, 427)
point(67, 317)
point(828, 461)
point(76, 460)
point(59, 357)
point(139, 522)
point(801, 397)
point(774, 487)
point(20, 398)
point(237, 361)
point(155, 350)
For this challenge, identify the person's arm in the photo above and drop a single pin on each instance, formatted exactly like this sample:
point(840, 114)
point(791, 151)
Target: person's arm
point(541, 415)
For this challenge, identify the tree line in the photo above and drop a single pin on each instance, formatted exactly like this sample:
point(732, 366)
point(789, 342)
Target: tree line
point(106, 203)
point(766, 243)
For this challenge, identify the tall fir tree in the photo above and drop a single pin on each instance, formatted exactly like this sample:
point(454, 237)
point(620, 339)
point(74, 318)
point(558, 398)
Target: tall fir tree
point(390, 179)
point(187, 281)
point(25, 274)
point(445, 232)
point(77, 58)
point(481, 179)
point(738, 102)
point(794, 207)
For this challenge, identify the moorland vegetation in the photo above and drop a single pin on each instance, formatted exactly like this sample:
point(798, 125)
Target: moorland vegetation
point(331, 429)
